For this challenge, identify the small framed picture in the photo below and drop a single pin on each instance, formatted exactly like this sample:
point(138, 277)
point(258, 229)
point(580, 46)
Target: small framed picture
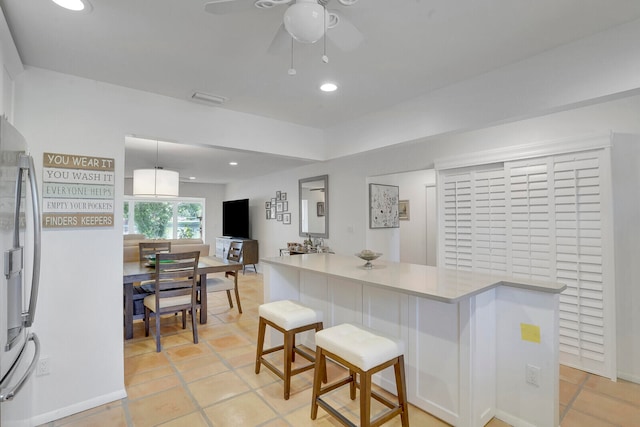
point(273, 211)
point(403, 210)
point(268, 211)
point(279, 217)
point(267, 205)
point(283, 196)
point(285, 206)
point(286, 218)
point(279, 206)
point(320, 209)
point(273, 203)
point(278, 195)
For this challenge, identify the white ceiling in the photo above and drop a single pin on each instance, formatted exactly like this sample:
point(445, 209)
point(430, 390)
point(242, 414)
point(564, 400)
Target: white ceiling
point(410, 47)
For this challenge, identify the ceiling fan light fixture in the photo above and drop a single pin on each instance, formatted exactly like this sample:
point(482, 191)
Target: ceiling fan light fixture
point(306, 21)
point(328, 87)
point(74, 5)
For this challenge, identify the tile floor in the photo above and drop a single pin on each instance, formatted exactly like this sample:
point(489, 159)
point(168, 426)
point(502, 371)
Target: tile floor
point(214, 384)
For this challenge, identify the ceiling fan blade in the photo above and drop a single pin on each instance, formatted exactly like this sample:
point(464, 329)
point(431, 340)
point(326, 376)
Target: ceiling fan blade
point(344, 35)
point(223, 7)
point(281, 42)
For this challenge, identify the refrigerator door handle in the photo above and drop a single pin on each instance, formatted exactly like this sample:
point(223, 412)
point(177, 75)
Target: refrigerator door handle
point(26, 162)
point(11, 393)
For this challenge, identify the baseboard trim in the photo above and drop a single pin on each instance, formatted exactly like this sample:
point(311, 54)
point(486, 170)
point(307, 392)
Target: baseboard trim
point(78, 407)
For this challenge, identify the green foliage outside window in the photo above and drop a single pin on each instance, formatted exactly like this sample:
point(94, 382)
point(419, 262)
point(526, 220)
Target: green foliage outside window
point(154, 220)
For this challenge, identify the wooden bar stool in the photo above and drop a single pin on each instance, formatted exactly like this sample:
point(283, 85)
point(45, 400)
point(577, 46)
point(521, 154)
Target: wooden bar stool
point(289, 318)
point(364, 352)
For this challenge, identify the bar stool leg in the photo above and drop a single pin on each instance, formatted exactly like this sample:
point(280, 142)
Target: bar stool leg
point(352, 385)
point(401, 387)
point(365, 399)
point(288, 359)
point(320, 363)
point(262, 326)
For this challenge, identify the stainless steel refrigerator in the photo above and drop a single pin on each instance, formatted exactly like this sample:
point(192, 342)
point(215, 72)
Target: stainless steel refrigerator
point(20, 240)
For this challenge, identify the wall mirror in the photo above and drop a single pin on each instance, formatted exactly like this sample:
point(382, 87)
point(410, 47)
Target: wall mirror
point(313, 194)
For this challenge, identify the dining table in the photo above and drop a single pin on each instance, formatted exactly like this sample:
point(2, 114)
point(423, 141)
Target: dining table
point(134, 272)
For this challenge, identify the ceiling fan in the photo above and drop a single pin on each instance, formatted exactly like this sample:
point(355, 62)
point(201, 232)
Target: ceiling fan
point(306, 21)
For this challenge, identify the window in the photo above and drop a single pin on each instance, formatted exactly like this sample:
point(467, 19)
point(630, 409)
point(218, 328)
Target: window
point(166, 219)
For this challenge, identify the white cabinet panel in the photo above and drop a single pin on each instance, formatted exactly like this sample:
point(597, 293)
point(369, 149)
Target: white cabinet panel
point(432, 359)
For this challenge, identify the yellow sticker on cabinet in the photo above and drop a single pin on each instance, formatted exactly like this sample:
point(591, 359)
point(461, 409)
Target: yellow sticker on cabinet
point(530, 333)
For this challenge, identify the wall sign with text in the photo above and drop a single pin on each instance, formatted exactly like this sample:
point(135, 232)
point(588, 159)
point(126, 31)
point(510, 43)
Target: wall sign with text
point(77, 191)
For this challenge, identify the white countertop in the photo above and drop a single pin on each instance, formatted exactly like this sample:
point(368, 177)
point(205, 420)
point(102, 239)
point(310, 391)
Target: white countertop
point(440, 284)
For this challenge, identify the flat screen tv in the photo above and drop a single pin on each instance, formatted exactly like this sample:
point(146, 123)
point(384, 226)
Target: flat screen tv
point(235, 218)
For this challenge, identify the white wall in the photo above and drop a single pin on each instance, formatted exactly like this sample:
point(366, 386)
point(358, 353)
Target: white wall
point(626, 186)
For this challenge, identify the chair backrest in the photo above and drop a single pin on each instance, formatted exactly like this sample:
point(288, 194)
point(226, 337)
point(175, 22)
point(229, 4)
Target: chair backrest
point(176, 275)
point(152, 248)
point(235, 251)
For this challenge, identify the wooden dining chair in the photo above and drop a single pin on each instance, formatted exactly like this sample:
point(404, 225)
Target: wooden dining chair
point(229, 282)
point(175, 289)
point(145, 249)
point(152, 248)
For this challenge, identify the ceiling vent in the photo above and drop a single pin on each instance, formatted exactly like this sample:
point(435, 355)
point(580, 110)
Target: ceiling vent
point(205, 98)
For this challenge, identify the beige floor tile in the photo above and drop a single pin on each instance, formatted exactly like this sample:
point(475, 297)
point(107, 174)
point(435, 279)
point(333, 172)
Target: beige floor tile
point(568, 392)
point(302, 418)
point(244, 410)
point(240, 356)
point(574, 418)
point(255, 381)
point(228, 342)
point(153, 386)
point(145, 362)
point(136, 378)
point(607, 408)
point(623, 390)
point(215, 388)
point(111, 417)
point(496, 423)
point(274, 395)
point(194, 419)
point(572, 375)
point(188, 351)
point(161, 407)
point(109, 411)
point(277, 423)
point(206, 369)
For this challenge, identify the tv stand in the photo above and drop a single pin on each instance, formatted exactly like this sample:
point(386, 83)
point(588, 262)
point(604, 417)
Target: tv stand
point(249, 250)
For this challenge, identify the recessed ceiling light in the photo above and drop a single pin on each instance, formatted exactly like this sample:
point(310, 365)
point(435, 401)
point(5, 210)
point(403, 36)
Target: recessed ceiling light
point(192, 178)
point(328, 87)
point(233, 163)
point(75, 5)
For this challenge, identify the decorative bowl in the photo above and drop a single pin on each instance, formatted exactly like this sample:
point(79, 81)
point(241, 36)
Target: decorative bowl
point(368, 256)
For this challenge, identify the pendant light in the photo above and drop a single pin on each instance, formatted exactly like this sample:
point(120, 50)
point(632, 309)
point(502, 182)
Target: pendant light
point(156, 182)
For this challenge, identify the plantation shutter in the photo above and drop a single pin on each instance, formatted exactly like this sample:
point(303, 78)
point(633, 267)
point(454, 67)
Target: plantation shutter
point(530, 227)
point(579, 261)
point(456, 222)
point(541, 218)
point(489, 221)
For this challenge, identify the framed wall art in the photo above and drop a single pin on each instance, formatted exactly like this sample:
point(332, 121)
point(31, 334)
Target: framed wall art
point(403, 210)
point(383, 206)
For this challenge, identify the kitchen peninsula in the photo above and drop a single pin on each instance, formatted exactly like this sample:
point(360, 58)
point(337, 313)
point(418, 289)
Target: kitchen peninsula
point(476, 345)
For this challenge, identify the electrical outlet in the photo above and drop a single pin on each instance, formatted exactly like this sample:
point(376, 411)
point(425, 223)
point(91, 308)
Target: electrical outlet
point(43, 367)
point(533, 375)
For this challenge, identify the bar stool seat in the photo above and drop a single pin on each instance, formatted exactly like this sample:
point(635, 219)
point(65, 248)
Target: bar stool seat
point(364, 352)
point(289, 318)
